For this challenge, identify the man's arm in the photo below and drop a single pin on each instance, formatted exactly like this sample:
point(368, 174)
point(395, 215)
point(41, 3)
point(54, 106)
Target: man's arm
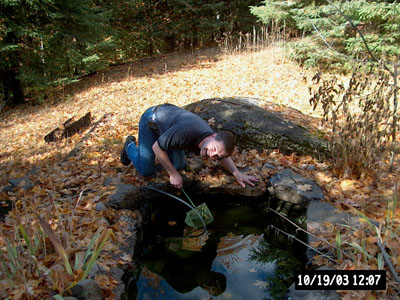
point(241, 178)
point(174, 177)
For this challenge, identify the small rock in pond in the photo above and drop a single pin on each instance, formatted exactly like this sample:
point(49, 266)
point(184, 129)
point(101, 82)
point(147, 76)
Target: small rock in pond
point(87, 289)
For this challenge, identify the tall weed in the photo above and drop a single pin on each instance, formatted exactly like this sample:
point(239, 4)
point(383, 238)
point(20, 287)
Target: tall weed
point(360, 115)
point(35, 254)
point(256, 40)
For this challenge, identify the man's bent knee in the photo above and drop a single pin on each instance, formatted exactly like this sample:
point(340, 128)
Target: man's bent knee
point(146, 173)
point(180, 165)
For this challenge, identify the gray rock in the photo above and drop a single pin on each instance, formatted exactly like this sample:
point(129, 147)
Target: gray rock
point(268, 166)
point(259, 127)
point(87, 289)
point(8, 189)
point(130, 224)
point(291, 187)
point(101, 206)
point(95, 270)
point(311, 168)
point(117, 273)
point(23, 182)
point(126, 196)
point(119, 291)
point(318, 213)
point(111, 181)
point(132, 227)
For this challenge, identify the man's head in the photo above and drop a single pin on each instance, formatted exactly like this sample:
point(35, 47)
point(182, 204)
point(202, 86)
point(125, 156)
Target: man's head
point(214, 283)
point(218, 145)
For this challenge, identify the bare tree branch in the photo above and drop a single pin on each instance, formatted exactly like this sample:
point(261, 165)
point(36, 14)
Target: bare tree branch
point(362, 37)
point(333, 49)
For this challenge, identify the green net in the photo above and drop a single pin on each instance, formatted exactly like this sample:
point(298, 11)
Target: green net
point(193, 216)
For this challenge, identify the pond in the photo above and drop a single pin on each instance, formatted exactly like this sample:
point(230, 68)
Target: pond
point(240, 257)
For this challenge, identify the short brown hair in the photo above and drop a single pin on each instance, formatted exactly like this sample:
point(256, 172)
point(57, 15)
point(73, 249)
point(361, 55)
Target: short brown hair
point(228, 139)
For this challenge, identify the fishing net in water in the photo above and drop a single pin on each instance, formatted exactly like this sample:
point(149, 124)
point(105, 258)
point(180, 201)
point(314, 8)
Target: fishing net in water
point(194, 216)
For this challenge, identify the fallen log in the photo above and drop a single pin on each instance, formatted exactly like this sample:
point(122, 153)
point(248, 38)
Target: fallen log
point(87, 135)
point(68, 128)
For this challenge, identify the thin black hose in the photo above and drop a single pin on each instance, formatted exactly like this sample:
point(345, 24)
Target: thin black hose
point(184, 202)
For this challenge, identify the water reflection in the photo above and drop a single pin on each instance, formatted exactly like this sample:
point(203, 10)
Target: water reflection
point(222, 270)
point(238, 259)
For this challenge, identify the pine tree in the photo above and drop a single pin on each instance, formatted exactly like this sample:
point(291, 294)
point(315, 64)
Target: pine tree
point(331, 37)
point(44, 41)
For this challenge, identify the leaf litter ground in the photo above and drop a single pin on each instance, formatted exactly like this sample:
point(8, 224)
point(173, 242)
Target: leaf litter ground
point(65, 194)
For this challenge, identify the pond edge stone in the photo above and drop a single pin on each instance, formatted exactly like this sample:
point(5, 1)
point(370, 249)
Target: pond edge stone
point(290, 186)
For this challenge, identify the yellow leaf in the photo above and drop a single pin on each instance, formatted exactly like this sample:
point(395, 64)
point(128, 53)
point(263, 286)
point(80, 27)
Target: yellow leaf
point(328, 224)
point(347, 185)
point(215, 184)
point(371, 240)
point(304, 187)
point(172, 223)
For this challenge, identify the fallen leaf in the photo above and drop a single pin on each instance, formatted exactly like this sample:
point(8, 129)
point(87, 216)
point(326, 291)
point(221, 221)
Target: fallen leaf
point(172, 223)
point(126, 257)
point(304, 187)
point(261, 284)
point(252, 270)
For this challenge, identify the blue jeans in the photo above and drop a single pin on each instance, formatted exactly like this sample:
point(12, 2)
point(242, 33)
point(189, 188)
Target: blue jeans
point(142, 156)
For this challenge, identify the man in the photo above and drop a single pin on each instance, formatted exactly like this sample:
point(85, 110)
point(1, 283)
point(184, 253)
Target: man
point(166, 131)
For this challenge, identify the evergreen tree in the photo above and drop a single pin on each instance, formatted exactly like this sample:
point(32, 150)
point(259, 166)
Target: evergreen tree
point(331, 37)
point(167, 25)
point(43, 40)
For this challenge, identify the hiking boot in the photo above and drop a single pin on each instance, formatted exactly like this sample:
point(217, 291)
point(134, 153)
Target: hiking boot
point(124, 156)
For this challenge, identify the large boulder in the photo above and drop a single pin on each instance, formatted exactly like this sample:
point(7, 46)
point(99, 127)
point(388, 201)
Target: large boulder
point(258, 126)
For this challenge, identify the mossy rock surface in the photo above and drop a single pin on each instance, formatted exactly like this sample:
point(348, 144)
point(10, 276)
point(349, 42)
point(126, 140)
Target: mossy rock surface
point(257, 126)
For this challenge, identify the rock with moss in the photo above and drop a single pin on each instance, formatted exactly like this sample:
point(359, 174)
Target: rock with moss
point(257, 124)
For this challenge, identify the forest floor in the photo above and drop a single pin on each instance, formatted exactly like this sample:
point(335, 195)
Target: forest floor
point(127, 91)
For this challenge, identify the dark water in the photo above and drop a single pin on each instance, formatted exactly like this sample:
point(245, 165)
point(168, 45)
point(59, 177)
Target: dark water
point(240, 258)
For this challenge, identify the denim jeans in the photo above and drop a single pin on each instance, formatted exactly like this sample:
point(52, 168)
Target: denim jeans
point(142, 156)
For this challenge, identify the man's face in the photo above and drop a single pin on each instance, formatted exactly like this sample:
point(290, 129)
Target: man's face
point(213, 149)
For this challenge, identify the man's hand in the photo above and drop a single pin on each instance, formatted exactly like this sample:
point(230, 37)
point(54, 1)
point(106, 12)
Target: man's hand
point(242, 179)
point(174, 177)
point(176, 180)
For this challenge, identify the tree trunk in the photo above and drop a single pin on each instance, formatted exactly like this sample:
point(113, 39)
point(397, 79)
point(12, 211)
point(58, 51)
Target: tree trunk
point(170, 42)
point(13, 91)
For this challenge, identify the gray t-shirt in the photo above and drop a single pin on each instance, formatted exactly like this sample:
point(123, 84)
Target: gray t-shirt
point(180, 129)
